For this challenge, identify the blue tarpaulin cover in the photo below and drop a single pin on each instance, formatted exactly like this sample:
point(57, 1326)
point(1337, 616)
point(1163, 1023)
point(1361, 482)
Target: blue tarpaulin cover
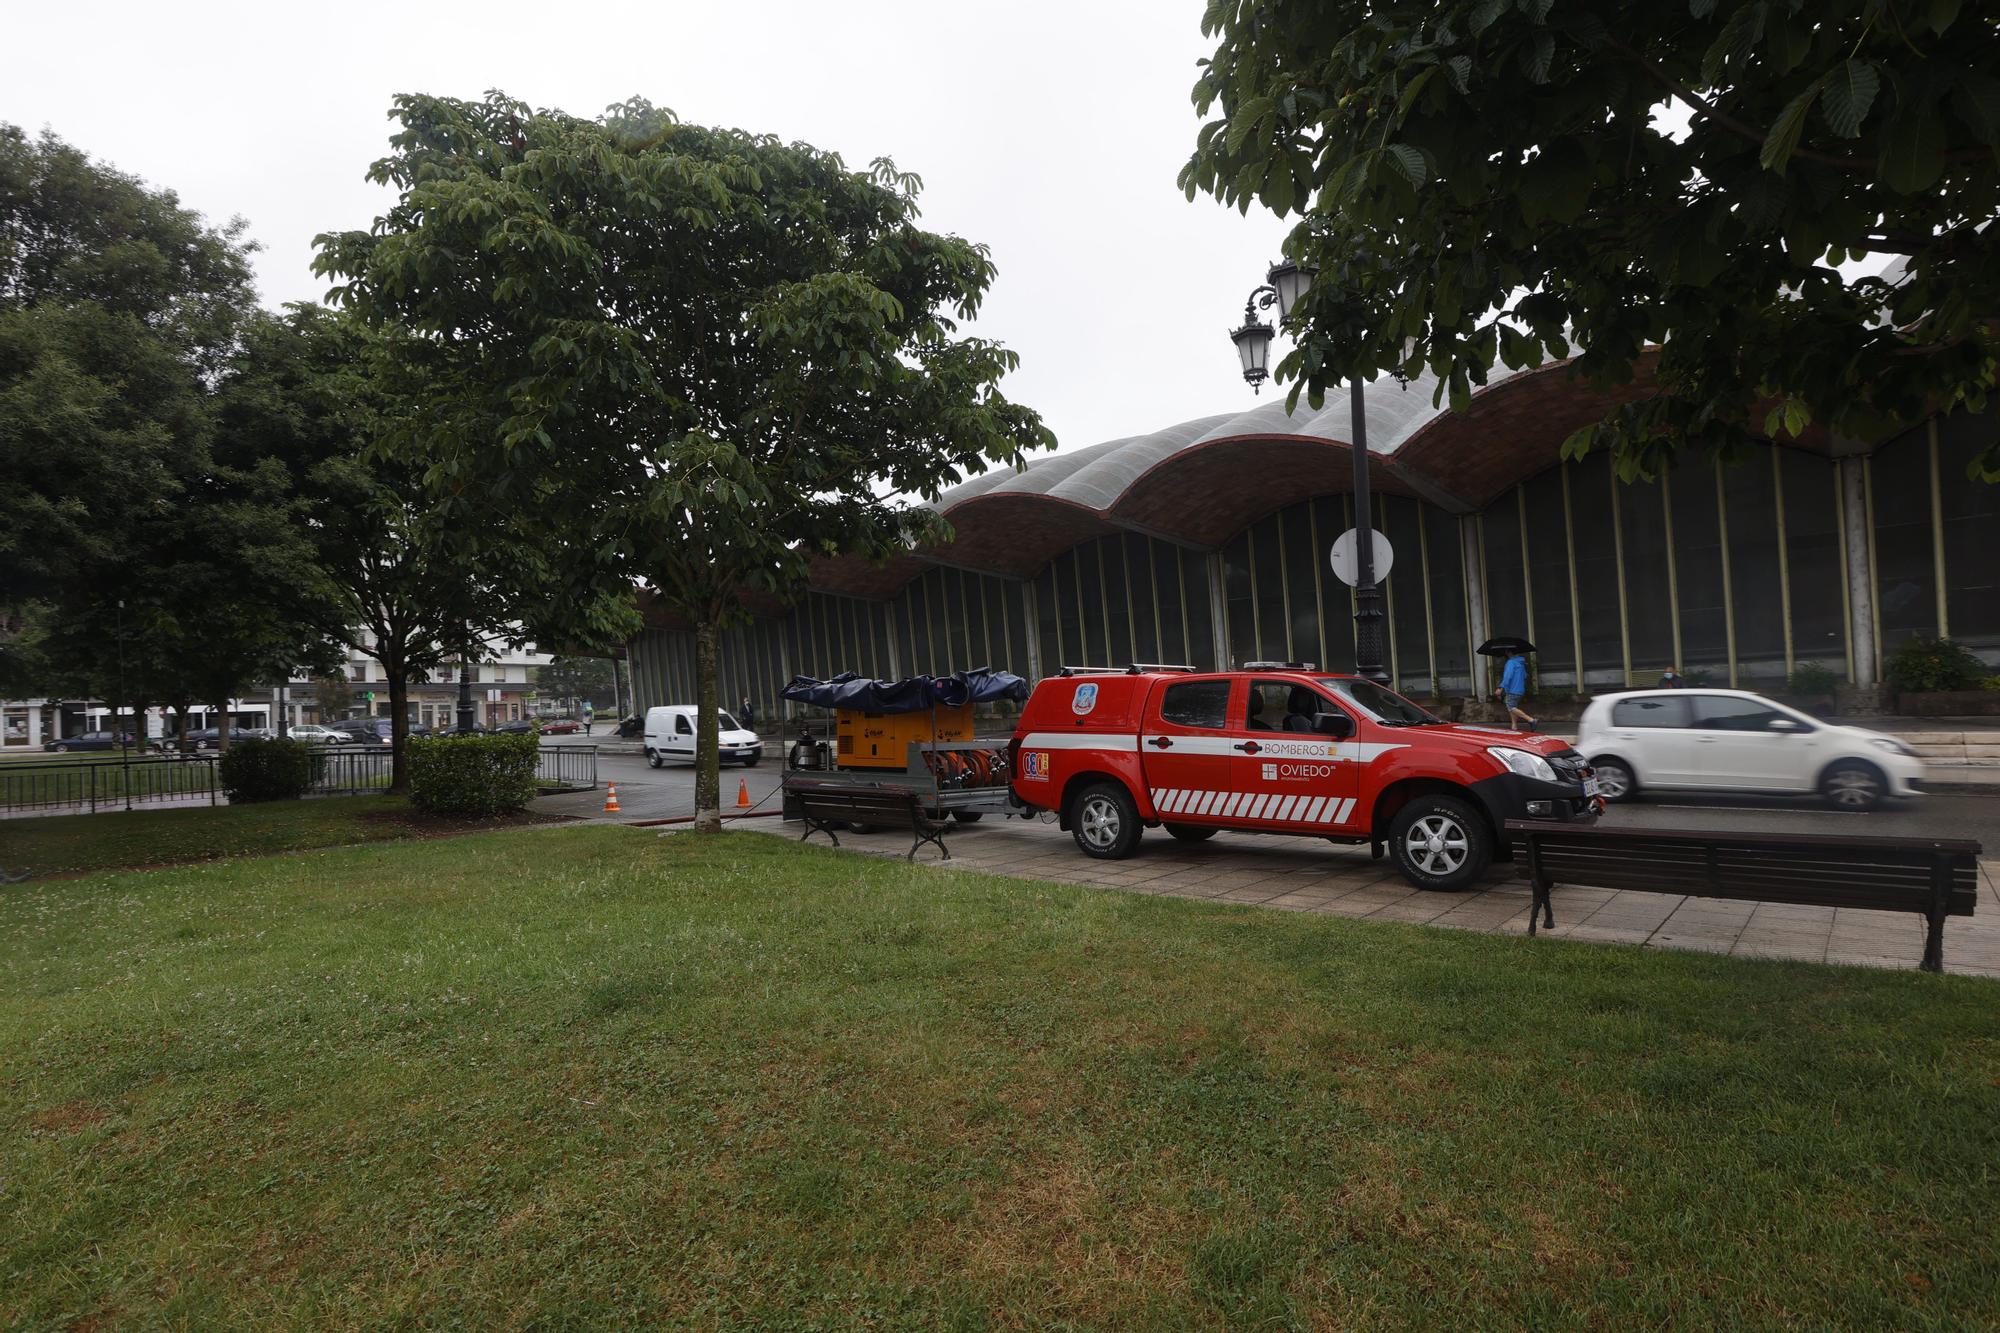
point(914, 695)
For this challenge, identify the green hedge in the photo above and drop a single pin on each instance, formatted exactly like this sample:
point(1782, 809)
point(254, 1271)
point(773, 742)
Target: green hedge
point(473, 775)
point(1926, 666)
point(261, 770)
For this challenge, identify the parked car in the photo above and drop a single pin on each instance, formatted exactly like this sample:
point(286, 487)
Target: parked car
point(561, 726)
point(375, 730)
point(519, 727)
point(670, 735)
point(89, 740)
point(474, 730)
point(1736, 741)
point(207, 738)
point(314, 734)
point(1282, 748)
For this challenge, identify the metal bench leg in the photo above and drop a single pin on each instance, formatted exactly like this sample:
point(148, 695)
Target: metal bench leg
point(1934, 916)
point(818, 826)
point(1538, 905)
point(933, 835)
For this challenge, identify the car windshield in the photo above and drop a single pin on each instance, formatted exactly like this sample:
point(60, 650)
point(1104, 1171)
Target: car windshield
point(726, 722)
point(1386, 707)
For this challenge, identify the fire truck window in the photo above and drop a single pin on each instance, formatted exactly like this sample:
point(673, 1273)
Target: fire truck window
point(1196, 703)
point(1269, 704)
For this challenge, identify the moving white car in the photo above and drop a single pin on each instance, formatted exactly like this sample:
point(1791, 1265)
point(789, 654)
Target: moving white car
point(670, 735)
point(1735, 741)
point(314, 734)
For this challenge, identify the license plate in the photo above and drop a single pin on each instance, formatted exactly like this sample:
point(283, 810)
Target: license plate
point(1590, 786)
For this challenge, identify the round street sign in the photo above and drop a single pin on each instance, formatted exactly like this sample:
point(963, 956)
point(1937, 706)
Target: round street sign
point(1344, 554)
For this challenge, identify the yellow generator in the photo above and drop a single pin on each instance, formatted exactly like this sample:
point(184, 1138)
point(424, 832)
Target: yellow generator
point(882, 740)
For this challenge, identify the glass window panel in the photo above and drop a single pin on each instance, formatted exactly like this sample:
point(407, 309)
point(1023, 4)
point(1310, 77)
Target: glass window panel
point(959, 650)
point(1654, 712)
point(1166, 587)
point(1108, 563)
point(1596, 569)
point(1303, 600)
point(1728, 712)
point(1506, 590)
point(1071, 611)
point(1905, 562)
point(1336, 607)
point(1046, 590)
point(1812, 550)
point(1198, 610)
point(1268, 590)
point(1698, 565)
point(1447, 565)
point(1645, 522)
point(1196, 703)
point(1548, 576)
point(1751, 504)
point(1139, 602)
point(1237, 590)
point(1014, 656)
point(1400, 518)
point(1971, 531)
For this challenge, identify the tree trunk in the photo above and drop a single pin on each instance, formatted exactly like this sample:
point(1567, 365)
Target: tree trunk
point(399, 727)
point(181, 725)
point(707, 759)
point(222, 721)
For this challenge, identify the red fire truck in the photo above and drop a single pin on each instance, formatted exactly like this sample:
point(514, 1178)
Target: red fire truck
point(1279, 747)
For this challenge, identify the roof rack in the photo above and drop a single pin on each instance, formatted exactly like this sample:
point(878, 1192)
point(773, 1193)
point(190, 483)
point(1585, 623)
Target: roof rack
point(1133, 669)
point(1278, 666)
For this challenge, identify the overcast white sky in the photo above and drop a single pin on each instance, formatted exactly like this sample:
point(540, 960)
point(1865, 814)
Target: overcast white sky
point(1050, 131)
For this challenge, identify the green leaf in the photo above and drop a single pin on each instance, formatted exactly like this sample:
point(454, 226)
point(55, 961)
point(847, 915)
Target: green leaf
point(1976, 98)
point(1784, 135)
point(1850, 91)
point(1484, 16)
point(1243, 122)
point(1701, 9)
point(1410, 161)
point(1412, 92)
point(1912, 156)
point(1943, 14)
point(1797, 418)
point(1538, 56)
point(1459, 70)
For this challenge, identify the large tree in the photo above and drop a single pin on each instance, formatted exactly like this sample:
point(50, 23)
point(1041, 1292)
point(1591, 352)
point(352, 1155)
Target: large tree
point(639, 350)
point(400, 581)
point(119, 507)
point(1514, 180)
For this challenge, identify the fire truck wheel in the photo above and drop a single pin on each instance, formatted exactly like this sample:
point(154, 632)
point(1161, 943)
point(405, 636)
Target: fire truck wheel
point(1104, 821)
point(967, 816)
point(1440, 843)
point(1190, 832)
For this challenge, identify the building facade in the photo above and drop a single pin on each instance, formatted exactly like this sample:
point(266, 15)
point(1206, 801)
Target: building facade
point(1206, 544)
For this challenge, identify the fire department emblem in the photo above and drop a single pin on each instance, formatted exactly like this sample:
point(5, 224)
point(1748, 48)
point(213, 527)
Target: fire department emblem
point(1084, 699)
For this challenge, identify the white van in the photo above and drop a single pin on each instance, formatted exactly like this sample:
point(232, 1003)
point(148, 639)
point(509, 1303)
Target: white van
point(670, 735)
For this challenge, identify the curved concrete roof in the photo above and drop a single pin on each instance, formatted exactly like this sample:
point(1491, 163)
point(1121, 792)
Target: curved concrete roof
point(1200, 482)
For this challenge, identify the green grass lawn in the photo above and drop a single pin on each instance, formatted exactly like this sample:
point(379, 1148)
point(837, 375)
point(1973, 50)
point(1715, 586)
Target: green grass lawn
point(593, 1077)
point(61, 844)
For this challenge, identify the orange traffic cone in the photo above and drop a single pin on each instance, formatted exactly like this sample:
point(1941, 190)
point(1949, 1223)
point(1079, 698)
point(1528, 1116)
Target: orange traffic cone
point(611, 799)
point(742, 794)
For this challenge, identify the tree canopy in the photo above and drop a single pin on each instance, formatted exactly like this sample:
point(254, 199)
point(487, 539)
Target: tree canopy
point(1508, 181)
point(639, 350)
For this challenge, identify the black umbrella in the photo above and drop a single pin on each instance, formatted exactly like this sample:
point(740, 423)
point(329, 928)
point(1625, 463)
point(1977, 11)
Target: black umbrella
point(1505, 645)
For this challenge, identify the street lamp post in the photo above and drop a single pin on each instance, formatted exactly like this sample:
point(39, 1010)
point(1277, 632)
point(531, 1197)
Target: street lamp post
point(117, 732)
point(1284, 286)
point(465, 688)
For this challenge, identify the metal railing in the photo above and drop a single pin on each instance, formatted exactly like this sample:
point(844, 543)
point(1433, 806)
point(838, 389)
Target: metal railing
point(89, 785)
point(86, 786)
point(567, 768)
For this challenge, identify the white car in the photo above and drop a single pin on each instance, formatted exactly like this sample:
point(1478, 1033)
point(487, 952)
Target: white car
point(670, 735)
point(1735, 741)
point(314, 734)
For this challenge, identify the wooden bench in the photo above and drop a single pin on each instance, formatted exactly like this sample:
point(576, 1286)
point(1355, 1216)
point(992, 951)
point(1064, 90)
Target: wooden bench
point(826, 806)
point(1936, 877)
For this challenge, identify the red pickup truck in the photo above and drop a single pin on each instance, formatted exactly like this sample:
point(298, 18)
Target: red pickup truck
point(1282, 748)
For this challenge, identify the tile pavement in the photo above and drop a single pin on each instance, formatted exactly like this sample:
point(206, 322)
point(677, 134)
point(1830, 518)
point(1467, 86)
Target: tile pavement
point(1300, 875)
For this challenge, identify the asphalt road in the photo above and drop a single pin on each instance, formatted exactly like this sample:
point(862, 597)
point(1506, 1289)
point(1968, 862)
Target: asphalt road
point(646, 793)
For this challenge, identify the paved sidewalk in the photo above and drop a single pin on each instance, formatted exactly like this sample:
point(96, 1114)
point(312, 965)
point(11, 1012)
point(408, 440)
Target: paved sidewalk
point(1300, 875)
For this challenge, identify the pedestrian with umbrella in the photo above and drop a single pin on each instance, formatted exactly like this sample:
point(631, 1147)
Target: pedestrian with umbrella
point(1513, 676)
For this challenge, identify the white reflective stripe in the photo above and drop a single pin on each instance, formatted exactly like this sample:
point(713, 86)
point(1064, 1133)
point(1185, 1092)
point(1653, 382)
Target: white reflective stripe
point(1181, 799)
point(1250, 806)
point(1311, 816)
point(1189, 803)
point(1237, 800)
point(1079, 740)
point(1222, 800)
point(1278, 808)
point(1160, 796)
point(1346, 808)
point(1186, 744)
point(1209, 800)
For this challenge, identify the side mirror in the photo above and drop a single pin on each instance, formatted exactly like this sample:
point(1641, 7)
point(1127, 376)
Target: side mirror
point(1337, 725)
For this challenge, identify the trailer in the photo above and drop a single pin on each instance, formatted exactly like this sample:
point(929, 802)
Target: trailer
point(914, 736)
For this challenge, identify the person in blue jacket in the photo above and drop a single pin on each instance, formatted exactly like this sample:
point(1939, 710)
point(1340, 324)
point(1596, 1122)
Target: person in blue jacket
point(1513, 685)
